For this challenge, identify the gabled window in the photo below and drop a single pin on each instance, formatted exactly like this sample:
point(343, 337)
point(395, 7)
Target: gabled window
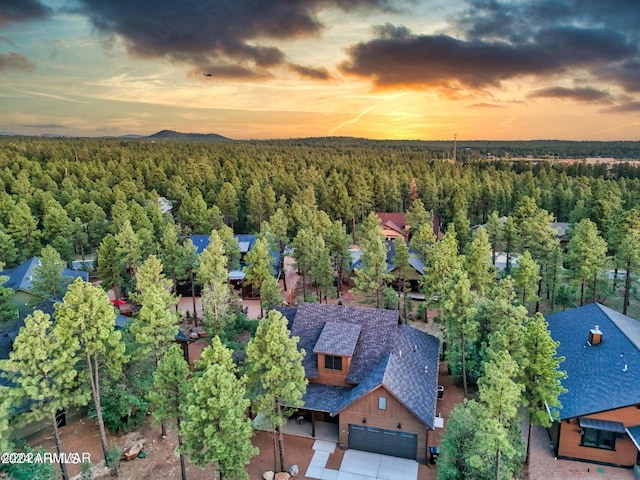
point(332, 362)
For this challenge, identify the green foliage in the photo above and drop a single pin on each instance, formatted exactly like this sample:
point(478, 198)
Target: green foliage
point(526, 278)
point(371, 275)
point(215, 426)
point(87, 319)
point(276, 375)
point(586, 254)
point(113, 459)
point(29, 470)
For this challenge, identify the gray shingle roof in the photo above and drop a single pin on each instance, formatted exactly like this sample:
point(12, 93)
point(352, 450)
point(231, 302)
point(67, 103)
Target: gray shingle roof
point(338, 338)
point(600, 377)
point(376, 339)
point(401, 358)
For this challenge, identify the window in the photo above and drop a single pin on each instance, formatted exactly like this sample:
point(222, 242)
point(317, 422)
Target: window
point(592, 437)
point(382, 403)
point(331, 362)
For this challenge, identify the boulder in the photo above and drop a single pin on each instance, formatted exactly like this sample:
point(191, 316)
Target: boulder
point(294, 470)
point(132, 451)
point(268, 475)
point(282, 476)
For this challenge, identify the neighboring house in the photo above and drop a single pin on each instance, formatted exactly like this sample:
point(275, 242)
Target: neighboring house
point(415, 262)
point(563, 235)
point(376, 379)
point(600, 416)
point(20, 279)
point(236, 277)
point(395, 225)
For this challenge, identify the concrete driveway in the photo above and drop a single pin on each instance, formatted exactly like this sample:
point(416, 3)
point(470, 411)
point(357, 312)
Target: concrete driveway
point(357, 465)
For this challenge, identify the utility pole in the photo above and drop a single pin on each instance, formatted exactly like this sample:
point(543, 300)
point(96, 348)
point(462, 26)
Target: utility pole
point(455, 138)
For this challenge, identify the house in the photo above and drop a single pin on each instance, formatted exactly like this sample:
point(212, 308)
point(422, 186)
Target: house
point(416, 271)
point(599, 420)
point(395, 225)
point(236, 277)
point(20, 279)
point(374, 378)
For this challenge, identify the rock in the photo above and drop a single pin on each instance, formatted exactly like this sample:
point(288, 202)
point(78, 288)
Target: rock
point(294, 470)
point(282, 476)
point(132, 451)
point(268, 475)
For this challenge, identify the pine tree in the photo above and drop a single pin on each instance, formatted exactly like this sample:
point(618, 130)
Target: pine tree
point(542, 375)
point(259, 266)
point(48, 280)
point(41, 366)
point(371, 276)
point(586, 254)
point(155, 326)
point(501, 396)
point(457, 312)
point(403, 270)
point(627, 235)
point(526, 277)
point(215, 425)
point(8, 310)
point(87, 320)
point(170, 390)
point(276, 233)
point(337, 241)
point(276, 375)
point(494, 229)
point(477, 263)
point(110, 268)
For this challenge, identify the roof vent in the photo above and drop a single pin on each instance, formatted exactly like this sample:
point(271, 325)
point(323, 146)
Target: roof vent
point(595, 335)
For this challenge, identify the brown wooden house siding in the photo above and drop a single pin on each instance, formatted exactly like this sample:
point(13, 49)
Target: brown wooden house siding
point(396, 413)
point(337, 378)
point(625, 453)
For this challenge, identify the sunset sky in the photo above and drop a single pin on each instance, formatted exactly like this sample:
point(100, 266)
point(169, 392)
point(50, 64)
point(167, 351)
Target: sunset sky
point(384, 69)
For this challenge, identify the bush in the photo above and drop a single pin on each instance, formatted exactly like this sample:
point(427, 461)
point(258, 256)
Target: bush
point(114, 457)
point(28, 471)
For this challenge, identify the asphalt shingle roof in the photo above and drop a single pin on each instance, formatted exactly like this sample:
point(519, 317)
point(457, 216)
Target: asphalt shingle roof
point(338, 338)
point(401, 358)
point(376, 339)
point(600, 377)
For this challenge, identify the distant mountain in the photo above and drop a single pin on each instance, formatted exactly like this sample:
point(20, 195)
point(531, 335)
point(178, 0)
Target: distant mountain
point(131, 135)
point(173, 135)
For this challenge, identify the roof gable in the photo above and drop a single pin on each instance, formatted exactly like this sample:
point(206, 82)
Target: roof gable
point(21, 276)
point(600, 377)
point(376, 338)
point(338, 338)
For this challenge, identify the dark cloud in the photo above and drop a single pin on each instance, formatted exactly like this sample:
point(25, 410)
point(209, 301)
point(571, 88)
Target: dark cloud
point(310, 72)
point(579, 94)
point(15, 11)
point(215, 32)
point(43, 125)
point(629, 107)
point(15, 61)
point(491, 41)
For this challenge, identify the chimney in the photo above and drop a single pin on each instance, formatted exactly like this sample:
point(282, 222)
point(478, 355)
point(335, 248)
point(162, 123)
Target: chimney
point(595, 335)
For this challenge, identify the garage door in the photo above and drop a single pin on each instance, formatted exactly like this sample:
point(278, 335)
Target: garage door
point(386, 442)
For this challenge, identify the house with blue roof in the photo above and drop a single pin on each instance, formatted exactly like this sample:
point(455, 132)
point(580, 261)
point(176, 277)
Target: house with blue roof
point(600, 416)
point(413, 278)
point(246, 243)
point(374, 378)
point(20, 281)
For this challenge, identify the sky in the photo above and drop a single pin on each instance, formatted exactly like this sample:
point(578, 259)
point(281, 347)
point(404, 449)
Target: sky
point(380, 69)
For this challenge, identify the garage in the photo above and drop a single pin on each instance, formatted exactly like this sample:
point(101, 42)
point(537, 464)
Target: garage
point(386, 442)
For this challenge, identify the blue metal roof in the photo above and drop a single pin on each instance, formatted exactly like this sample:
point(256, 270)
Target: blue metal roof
point(599, 377)
point(20, 277)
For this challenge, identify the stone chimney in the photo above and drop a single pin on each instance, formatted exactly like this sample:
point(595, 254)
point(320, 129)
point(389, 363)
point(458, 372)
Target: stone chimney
point(595, 335)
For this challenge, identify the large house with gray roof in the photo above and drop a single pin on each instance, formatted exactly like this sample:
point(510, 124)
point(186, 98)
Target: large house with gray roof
point(374, 378)
point(600, 416)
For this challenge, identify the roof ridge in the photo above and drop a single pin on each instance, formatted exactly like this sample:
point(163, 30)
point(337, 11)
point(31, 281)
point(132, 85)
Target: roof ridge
point(626, 330)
